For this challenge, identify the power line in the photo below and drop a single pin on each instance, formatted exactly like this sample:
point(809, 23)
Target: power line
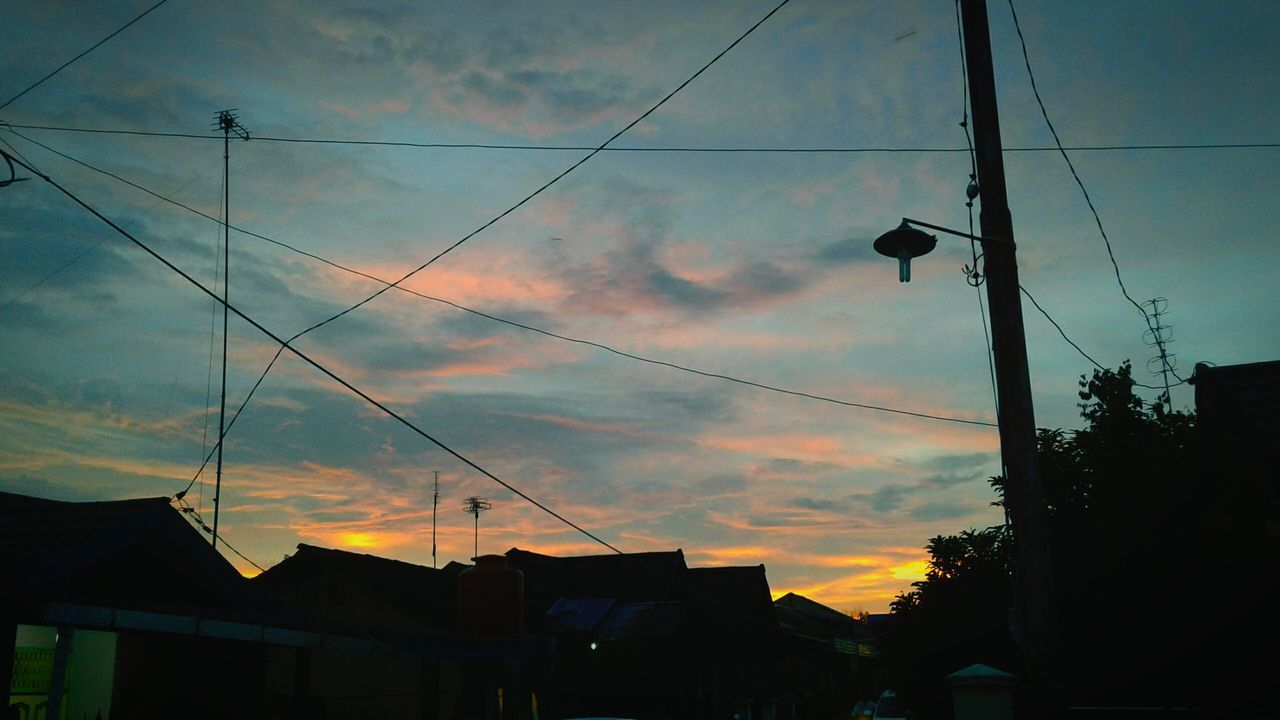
point(1078, 349)
point(80, 256)
point(500, 216)
point(661, 149)
point(318, 366)
point(512, 323)
point(553, 180)
point(194, 514)
point(93, 47)
point(477, 231)
point(1071, 166)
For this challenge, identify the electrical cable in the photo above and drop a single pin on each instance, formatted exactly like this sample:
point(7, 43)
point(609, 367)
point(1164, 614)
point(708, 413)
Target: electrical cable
point(663, 149)
point(553, 180)
point(499, 217)
point(1072, 343)
point(319, 366)
point(213, 332)
point(93, 47)
point(1079, 182)
point(186, 509)
point(495, 318)
point(31, 288)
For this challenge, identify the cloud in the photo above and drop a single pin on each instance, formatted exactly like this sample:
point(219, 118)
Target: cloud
point(851, 249)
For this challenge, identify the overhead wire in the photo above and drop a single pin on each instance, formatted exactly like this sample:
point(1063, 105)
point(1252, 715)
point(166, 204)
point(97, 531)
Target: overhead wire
point(1078, 349)
point(320, 366)
point(93, 47)
point(194, 514)
point(1076, 175)
point(512, 323)
point(658, 149)
point(213, 331)
point(79, 256)
point(500, 216)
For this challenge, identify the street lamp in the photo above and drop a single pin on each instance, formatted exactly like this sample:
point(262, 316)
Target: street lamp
point(1024, 492)
point(905, 243)
point(1024, 495)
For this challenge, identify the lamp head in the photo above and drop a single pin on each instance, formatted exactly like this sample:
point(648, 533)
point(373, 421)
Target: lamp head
point(905, 242)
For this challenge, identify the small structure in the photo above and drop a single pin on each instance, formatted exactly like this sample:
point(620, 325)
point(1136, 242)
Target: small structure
point(981, 692)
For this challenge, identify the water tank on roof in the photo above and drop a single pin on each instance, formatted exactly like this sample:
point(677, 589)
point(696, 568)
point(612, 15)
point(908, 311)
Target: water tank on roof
point(491, 598)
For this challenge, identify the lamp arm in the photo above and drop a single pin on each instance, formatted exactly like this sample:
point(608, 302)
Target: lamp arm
point(957, 233)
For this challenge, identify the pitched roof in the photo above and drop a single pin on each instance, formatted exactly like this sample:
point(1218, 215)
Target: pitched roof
point(125, 553)
point(633, 577)
point(732, 596)
point(359, 589)
point(799, 614)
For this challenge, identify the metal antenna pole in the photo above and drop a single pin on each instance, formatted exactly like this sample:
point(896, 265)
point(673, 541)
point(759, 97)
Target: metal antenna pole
point(474, 506)
point(435, 503)
point(227, 123)
point(1158, 336)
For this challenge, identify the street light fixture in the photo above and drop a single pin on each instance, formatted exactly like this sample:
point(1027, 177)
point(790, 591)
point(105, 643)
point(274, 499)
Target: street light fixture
point(1024, 494)
point(905, 243)
point(1024, 491)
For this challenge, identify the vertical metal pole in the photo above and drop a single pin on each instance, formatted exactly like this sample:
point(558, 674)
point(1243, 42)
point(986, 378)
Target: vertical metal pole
point(1024, 491)
point(58, 684)
point(435, 503)
point(475, 552)
point(226, 267)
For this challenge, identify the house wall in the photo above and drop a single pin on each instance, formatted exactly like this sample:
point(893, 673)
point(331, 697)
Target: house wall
point(169, 676)
point(91, 674)
point(90, 670)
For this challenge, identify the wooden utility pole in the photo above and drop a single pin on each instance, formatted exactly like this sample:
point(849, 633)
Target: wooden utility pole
point(1024, 489)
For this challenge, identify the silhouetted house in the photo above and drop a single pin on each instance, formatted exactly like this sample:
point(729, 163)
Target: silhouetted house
point(643, 635)
point(1238, 410)
point(436, 671)
point(100, 591)
point(123, 608)
point(833, 655)
point(1236, 520)
point(365, 592)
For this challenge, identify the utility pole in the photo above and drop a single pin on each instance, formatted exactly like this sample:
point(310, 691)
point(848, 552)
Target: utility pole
point(225, 121)
point(474, 506)
point(1024, 490)
point(435, 503)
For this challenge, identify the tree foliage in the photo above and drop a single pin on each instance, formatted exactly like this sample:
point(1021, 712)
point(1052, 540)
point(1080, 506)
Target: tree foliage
point(1120, 495)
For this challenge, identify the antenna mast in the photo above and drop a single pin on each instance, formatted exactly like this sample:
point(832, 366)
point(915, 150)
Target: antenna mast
point(474, 506)
point(225, 121)
point(435, 503)
point(1158, 336)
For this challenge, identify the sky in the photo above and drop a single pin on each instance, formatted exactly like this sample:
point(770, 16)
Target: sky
point(754, 265)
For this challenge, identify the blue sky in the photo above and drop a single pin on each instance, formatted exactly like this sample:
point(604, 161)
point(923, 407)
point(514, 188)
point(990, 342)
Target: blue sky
point(752, 265)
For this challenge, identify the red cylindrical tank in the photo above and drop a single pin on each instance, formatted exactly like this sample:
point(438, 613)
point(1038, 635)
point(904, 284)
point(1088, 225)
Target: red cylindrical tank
point(491, 598)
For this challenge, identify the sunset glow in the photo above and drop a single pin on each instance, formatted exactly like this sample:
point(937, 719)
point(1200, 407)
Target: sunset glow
point(667, 348)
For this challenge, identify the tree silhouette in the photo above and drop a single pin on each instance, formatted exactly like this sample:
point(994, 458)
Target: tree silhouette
point(1136, 540)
